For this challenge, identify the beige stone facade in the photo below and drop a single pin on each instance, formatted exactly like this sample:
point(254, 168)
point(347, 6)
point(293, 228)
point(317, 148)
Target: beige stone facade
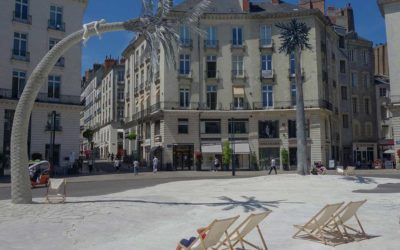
point(188, 110)
point(28, 30)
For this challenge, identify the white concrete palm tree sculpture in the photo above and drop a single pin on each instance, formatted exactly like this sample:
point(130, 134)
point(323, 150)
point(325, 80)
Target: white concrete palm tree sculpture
point(156, 28)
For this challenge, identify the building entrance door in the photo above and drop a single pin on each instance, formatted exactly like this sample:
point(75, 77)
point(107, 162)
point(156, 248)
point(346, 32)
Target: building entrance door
point(183, 156)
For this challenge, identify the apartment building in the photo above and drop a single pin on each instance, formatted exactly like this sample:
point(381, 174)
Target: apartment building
point(104, 98)
point(234, 85)
point(390, 9)
point(29, 29)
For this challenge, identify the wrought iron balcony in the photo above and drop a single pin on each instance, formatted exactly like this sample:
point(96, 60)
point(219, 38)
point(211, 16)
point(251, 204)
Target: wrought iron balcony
point(239, 74)
point(262, 106)
point(292, 73)
point(43, 97)
point(20, 18)
point(212, 74)
point(237, 45)
point(211, 44)
point(20, 55)
point(240, 106)
point(266, 44)
point(185, 74)
point(56, 26)
point(267, 74)
point(210, 106)
point(186, 43)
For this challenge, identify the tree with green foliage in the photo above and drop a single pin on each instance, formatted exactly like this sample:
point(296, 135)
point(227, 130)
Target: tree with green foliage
point(285, 157)
point(226, 154)
point(131, 136)
point(295, 38)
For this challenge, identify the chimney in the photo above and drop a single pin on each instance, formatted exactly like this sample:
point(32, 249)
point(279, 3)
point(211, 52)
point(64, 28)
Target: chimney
point(275, 1)
point(109, 63)
point(245, 4)
point(342, 17)
point(313, 4)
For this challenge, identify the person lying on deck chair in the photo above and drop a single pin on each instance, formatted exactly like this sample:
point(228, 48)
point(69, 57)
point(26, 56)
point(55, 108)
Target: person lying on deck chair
point(188, 242)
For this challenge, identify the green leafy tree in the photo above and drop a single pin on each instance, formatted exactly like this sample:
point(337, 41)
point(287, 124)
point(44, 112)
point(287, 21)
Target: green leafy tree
point(285, 157)
point(226, 154)
point(295, 38)
point(132, 136)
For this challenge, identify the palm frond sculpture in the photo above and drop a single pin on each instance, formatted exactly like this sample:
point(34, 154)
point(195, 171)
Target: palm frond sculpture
point(153, 24)
point(294, 39)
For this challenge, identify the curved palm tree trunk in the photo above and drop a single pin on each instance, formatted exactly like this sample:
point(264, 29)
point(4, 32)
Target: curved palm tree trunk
point(300, 119)
point(20, 184)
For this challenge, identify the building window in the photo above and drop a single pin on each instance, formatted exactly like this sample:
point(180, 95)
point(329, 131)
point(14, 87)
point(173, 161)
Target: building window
point(54, 84)
point(267, 96)
point(366, 106)
point(20, 44)
point(148, 131)
point(183, 126)
point(18, 83)
point(211, 66)
point(293, 94)
point(120, 112)
point(210, 126)
point(184, 36)
point(184, 97)
point(266, 65)
point(355, 105)
point(352, 55)
point(57, 122)
point(237, 66)
point(184, 64)
point(238, 126)
point(121, 76)
point(237, 36)
point(354, 79)
point(345, 121)
point(142, 77)
point(356, 129)
point(342, 66)
point(344, 92)
point(212, 97)
point(368, 130)
point(56, 18)
point(120, 94)
point(268, 129)
point(266, 36)
point(211, 41)
point(21, 10)
point(157, 128)
point(238, 98)
point(366, 80)
point(366, 57)
point(292, 64)
point(341, 42)
point(382, 92)
point(292, 129)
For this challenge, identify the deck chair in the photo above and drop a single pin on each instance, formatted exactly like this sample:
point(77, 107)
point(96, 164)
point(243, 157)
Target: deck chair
point(340, 170)
point(56, 191)
point(317, 226)
point(248, 225)
point(350, 170)
point(213, 234)
point(346, 214)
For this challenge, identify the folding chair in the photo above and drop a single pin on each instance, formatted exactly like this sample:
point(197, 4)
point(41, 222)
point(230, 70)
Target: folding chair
point(56, 191)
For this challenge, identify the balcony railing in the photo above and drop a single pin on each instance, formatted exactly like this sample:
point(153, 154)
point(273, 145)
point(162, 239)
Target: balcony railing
point(212, 74)
point(267, 74)
point(292, 73)
point(186, 43)
point(21, 19)
point(211, 44)
point(292, 105)
point(262, 105)
point(238, 45)
point(185, 73)
point(239, 74)
point(210, 106)
point(20, 55)
point(241, 106)
point(51, 24)
point(61, 62)
point(266, 43)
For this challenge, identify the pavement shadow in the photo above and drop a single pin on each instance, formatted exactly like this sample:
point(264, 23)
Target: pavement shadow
point(387, 188)
point(248, 204)
point(360, 179)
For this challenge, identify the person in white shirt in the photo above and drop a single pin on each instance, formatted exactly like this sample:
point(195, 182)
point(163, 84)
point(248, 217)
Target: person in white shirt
point(155, 164)
point(273, 166)
point(136, 167)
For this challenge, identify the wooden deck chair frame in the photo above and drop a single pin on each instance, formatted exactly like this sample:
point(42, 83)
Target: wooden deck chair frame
point(350, 170)
point(320, 228)
point(341, 222)
point(59, 198)
point(237, 235)
point(206, 231)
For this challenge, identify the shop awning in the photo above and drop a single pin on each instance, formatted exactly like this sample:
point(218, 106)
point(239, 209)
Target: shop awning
point(389, 151)
point(238, 91)
point(242, 148)
point(211, 148)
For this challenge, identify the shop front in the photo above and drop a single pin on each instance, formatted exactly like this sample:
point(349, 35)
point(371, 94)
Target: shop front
point(364, 154)
point(241, 155)
point(210, 151)
point(183, 156)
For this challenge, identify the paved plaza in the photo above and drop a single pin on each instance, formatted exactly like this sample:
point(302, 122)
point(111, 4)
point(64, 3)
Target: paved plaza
point(157, 217)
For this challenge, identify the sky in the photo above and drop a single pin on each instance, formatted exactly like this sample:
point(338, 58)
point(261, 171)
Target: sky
point(369, 24)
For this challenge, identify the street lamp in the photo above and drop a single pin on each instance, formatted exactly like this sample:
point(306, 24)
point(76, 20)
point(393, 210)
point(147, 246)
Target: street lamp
point(233, 146)
point(52, 141)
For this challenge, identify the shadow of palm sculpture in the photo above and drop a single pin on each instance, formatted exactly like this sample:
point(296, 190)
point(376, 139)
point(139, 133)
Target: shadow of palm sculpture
point(154, 25)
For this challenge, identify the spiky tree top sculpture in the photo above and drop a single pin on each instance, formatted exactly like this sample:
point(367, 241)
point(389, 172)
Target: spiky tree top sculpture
point(153, 25)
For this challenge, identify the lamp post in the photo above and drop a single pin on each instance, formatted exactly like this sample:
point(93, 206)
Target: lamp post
point(52, 141)
point(233, 145)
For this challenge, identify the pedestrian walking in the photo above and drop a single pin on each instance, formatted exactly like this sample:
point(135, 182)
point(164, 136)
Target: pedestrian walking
point(155, 164)
point(216, 164)
point(90, 166)
point(273, 166)
point(112, 157)
point(116, 164)
point(136, 167)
